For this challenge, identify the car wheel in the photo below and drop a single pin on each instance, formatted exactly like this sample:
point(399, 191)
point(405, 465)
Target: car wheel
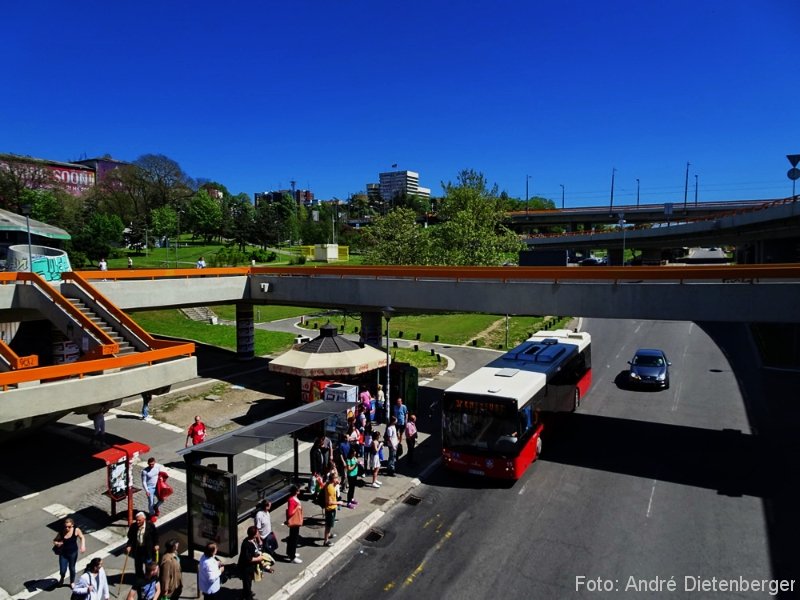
point(666, 384)
point(576, 400)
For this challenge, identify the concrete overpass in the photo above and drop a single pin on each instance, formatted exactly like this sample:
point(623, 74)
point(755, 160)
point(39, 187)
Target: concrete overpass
point(767, 233)
point(724, 299)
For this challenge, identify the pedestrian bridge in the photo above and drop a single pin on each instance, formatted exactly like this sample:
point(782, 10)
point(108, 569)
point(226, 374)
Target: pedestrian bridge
point(118, 359)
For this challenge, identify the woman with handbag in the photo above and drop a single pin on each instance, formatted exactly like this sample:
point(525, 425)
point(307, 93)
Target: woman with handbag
point(93, 584)
point(67, 544)
point(294, 519)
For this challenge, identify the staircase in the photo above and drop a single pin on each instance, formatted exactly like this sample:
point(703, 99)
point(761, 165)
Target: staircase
point(200, 313)
point(124, 346)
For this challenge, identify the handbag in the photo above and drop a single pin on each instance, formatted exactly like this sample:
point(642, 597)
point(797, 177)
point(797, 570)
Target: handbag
point(272, 542)
point(380, 454)
point(56, 549)
point(296, 520)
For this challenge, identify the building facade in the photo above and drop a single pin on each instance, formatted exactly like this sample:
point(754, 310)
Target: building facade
point(394, 184)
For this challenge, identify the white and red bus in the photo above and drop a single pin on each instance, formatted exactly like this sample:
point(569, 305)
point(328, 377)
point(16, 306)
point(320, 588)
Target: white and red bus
point(491, 423)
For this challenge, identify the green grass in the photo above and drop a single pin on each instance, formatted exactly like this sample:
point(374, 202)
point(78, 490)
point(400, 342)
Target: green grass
point(263, 314)
point(173, 323)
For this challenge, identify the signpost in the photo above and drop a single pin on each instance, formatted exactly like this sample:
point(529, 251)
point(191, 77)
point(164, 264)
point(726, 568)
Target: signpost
point(119, 473)
point(794, 173)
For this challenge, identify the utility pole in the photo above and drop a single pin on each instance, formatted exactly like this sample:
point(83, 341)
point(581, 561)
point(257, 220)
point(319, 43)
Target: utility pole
point(562, 199)
point(637, 193)
point(695, 190)
point(527, 179)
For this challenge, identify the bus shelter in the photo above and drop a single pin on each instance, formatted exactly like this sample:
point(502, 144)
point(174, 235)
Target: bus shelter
point(216, 503)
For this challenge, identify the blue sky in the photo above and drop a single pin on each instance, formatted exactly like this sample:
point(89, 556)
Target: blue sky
point(255, 94)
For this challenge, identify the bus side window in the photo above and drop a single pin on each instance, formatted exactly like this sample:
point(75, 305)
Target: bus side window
point(525, 420)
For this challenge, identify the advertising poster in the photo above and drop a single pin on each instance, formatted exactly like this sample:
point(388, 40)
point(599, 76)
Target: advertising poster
point(212, 503)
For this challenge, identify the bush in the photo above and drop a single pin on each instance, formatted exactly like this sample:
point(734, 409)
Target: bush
point(297, 260)
point(263, 256)
point(77, 259)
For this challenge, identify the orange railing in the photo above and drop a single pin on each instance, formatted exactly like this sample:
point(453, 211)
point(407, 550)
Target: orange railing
point(106, 346)
point(725, 273)
point(15, 361)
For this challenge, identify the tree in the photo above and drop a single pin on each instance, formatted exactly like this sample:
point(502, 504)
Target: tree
point(204, 215)
point(164, 182)
point(18, 174)
point(164, 221)
point(243, 215)
point(99, 234)
point(397, 239)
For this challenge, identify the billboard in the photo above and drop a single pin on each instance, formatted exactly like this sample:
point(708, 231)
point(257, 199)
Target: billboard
point(212, 509)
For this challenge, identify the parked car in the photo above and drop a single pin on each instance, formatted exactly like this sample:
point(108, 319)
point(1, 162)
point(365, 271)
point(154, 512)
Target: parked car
point(649, 368)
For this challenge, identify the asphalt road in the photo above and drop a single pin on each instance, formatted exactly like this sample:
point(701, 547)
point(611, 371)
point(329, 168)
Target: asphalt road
point(636, 489)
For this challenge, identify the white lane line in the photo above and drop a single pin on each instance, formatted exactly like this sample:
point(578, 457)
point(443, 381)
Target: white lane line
point(260, 454)
point(58, 510)
point(108, 537)
point(650, 503)
point(680, 381)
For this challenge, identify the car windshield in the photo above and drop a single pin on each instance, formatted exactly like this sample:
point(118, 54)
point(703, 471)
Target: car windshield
point(647, 360)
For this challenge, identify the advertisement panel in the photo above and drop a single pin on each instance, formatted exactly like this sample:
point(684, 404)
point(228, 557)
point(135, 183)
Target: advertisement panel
point(212, 504)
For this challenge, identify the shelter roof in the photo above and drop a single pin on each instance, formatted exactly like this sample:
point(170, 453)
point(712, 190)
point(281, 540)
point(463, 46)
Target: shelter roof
point(10, 221)
point(238, 441)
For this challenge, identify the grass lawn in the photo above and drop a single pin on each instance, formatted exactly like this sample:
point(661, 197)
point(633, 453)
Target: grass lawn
point(262, 313)
point(174, 324)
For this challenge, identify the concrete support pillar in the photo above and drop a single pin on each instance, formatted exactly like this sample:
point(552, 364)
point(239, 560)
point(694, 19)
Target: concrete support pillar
point(372, 328)
point(245, 332)
point(615, 257)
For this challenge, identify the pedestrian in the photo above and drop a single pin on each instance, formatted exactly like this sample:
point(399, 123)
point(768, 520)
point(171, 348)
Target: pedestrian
point(380, 405)
point(374, 458)
point(411, 436)
point(209, 572)
point(249, 560)
point(263, 522)
point(366, 399)
point(294, 520)
point(99, 421)
point(67, 544)
point(319, 457)
point(146, 397)
point(130, 262)
point(331, 506)
point(148, 588)
point(93, 584)
point(142, 543)
point(352, 477)
point(391, 441)
point(103, 265)
point(201, 263)
point(401, 414)
point(150, 475)
point(196, 433)
point(170, 572)
point(340, 455)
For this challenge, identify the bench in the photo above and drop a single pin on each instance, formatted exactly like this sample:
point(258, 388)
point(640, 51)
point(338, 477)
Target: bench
point(272, 485)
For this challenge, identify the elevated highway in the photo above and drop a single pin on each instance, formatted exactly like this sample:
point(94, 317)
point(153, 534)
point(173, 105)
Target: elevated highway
point(723, 298)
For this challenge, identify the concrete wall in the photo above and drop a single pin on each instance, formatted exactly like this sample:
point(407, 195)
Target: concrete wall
point(166, 293)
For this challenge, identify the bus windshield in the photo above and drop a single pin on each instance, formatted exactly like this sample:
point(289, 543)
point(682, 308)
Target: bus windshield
point(470, 423)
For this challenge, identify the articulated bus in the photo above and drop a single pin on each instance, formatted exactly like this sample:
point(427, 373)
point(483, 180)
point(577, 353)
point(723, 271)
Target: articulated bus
point(491, 422)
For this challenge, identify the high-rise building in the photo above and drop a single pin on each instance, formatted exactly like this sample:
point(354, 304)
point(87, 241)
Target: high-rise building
point(397, 183)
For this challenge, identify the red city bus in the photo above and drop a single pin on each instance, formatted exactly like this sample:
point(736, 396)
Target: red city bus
point(491, 422)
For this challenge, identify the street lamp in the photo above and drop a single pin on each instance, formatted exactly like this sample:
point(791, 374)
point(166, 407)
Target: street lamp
point(388, 312)
point(637, 193)
point(25, 209)
point(622, 225)
point(686, 187)
point(527, 179)
point(611, 205)
point(562, 199)
point(695, 189)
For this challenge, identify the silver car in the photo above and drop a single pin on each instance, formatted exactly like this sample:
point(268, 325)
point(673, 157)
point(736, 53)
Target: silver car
point(649, 368)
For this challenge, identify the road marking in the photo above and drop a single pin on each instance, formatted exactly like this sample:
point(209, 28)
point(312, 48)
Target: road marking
point(260, 454)
point(677, 392)
point(652, 493)
point(16, 488)
point(58, 510)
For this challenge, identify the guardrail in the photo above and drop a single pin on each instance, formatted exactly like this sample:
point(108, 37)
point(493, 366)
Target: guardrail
point(13, 361)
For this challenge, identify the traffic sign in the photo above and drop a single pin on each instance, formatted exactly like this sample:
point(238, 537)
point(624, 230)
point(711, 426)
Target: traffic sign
point(794, 159)
point(793, 174)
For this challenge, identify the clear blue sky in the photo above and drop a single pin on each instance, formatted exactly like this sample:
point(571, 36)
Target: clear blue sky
point(253, 94)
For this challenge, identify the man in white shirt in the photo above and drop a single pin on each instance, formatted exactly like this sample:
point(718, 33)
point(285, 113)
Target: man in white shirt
point(209, 572)
point(149, 481)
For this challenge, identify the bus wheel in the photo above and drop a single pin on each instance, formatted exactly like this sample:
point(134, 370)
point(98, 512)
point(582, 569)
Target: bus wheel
point(576, 400)
point(538, 446)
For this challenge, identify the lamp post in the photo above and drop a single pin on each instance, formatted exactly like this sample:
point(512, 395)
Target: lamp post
point(695, 190)
point(388, 311)
point(527, 179)
point(26, 210)
point(637, 193)
point(562, 199)
point(611, 205)
point(686, 187)
point(622, 225)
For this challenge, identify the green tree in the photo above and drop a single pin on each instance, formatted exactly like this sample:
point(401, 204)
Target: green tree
point(99, 235)
point(164, 221)
point(204, 215)
point(243, 216)
point(397, 239)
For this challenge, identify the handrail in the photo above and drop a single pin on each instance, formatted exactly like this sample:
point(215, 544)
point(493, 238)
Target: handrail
point(107, 345)
point(725, 273)
point(122, 317)
point(83, 368)
point(163, 273)
point(15, 361)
